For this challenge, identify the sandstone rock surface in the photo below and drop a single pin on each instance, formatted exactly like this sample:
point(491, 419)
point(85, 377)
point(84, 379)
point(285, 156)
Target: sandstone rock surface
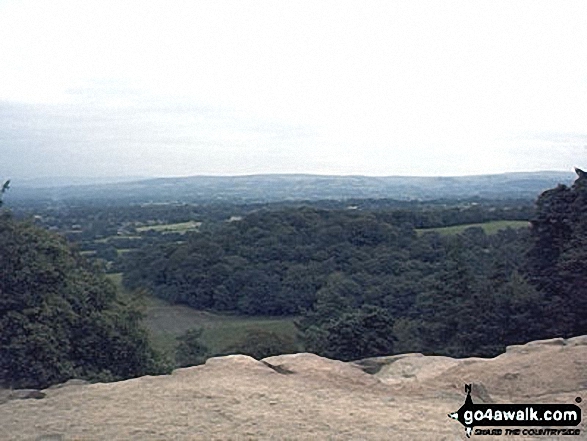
point(303, 396)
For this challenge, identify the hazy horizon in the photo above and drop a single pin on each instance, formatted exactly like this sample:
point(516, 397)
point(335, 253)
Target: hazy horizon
point(59, 181)
point(128, 178)
point(125, 90)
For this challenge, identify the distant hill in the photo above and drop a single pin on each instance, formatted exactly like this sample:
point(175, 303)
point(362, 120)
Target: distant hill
point(68, 181)
point(289, 187)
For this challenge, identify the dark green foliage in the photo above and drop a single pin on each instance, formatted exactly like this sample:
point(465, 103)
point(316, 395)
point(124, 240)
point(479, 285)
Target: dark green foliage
point(190, 349)
point(224, 273)
point(462, 295)
point(361, 280)
point(5, 187)
point(107, 253)
point(445, 304)
point(58, 318)
point(259, 343)
point(270, 263)
point(328, 265)
point(557, 259)
point(366, 332)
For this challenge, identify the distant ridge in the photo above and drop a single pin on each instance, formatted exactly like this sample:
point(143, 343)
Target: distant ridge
point(290, 187)
point(67, 181)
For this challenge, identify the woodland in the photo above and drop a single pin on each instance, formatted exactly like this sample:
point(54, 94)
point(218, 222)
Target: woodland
point(362, 278)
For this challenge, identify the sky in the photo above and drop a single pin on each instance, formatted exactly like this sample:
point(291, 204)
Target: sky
point(177, 88)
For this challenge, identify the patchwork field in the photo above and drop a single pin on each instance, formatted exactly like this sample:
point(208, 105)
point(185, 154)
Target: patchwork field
point(489, 227)
point(181, 227)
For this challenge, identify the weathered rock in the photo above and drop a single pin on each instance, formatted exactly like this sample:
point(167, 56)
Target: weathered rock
point(25, 394)
point(538, 368)
point(20, 394)
point(415, 368)
point(479, 393)
point(69, 383)
point(374, 364)
point(577, 341)
point(302, 396)
point(535, 345)
point(315, 368)
point(51, 437)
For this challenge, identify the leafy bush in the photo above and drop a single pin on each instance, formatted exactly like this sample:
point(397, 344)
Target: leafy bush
point(366, 332)
point(59, 318)
point(190, 350)
point(259, 343)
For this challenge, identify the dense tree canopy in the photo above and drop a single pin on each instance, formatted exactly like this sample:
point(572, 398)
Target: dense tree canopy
point(59, 318)
point(359, 276)
point(190, 349)
point(557, 259)
point(364, 282)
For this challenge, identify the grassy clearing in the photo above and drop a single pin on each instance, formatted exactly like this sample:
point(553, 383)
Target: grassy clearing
point(115, 238)
point(165, 322)
point(489, 227)
point(117, 279)
point(181, 227)
point(125, 250)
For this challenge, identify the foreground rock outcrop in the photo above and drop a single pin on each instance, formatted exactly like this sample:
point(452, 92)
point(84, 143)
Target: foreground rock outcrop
point(303, 396)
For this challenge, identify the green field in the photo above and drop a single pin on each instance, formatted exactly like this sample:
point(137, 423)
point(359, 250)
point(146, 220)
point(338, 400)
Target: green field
point(181, 227)
point(489, 227)
point(114, 238)
point(117, 279)
point(165, 322)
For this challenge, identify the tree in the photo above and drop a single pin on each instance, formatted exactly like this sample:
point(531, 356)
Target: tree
point(190, 349)
point(59, 318)
point(557, 260)
point(446, 303)
point(338, 295)
point(366, 332)
point(259, 343)
point(3, 190)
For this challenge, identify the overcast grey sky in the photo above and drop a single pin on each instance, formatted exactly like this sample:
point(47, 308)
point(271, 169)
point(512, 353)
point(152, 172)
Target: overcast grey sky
point(169, 88)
